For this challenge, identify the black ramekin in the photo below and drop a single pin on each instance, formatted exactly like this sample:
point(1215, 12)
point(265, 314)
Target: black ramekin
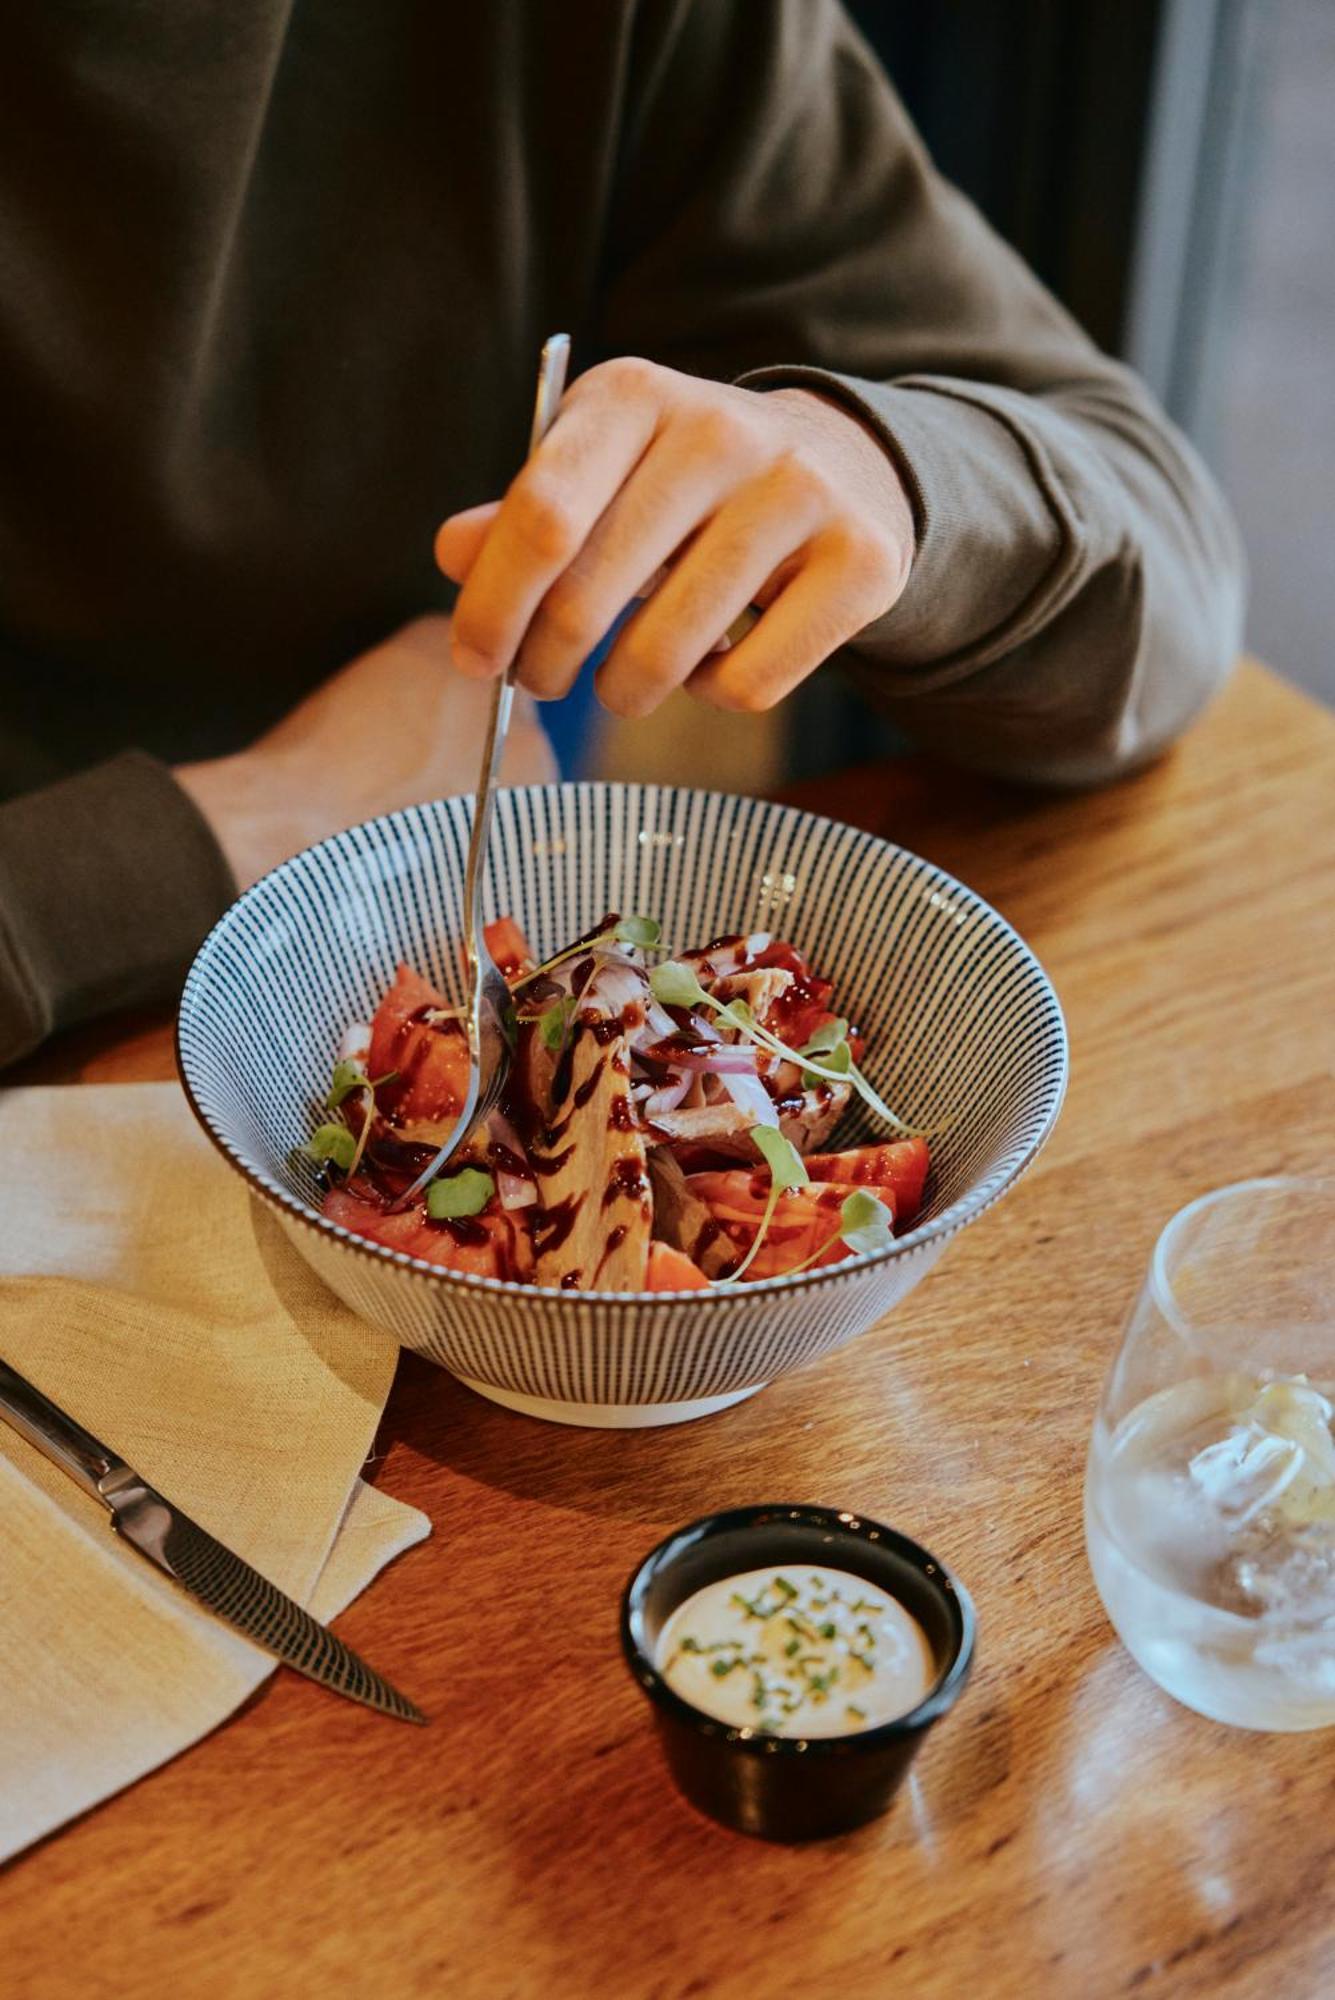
point(792, 1787)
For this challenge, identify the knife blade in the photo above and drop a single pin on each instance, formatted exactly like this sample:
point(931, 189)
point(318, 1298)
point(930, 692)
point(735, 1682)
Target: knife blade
point(193, 1558)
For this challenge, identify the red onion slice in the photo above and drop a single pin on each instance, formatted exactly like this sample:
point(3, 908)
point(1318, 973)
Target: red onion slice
point(727, 958)
point(719, 1059)
point(666, 1098)
point(516, 1192)
point(356, 1043)
point(749, 1094)
point(615, 987)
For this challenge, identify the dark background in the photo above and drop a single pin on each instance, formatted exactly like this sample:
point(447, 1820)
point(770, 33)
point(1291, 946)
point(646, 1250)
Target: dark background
point(1038, 110)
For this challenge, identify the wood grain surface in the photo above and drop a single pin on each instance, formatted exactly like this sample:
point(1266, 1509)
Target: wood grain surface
point(1068, 1829)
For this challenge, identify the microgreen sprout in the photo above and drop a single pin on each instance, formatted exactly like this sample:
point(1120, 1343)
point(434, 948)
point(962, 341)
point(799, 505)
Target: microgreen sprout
point(642, 931)
point(460, 1194)
point(838, 1062)
point(347, 1077)
point(350, 1076)
point(676, 985)
point(336, 1144)
point(829, 1045)
point(787, 1170)
point(332, 1145)
point(829, 1036)
point(865, 1224)
point(554, 1025)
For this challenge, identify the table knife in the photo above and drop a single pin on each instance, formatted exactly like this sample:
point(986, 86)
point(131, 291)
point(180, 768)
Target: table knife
point(219, 1580)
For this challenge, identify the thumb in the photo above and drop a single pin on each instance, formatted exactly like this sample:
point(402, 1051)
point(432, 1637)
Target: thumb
point(459, 539)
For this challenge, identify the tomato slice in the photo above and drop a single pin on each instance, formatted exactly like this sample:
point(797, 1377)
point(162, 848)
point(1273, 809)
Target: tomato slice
point(805, 1220)
point(508, 946)
point(784, 957)
point(671, 1270)
point(797, 1014)
point(491, 1245)
point(429, 1055)
point(901, 1165)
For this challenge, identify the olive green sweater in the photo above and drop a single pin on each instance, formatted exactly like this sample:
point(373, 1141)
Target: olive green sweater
point(273, 274)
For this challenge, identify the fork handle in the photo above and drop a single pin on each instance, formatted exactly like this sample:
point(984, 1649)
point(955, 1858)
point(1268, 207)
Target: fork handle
point(551, 385)
point(502, 702)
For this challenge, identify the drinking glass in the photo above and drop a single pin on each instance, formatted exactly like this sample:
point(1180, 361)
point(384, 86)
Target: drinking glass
point(1210, 1488)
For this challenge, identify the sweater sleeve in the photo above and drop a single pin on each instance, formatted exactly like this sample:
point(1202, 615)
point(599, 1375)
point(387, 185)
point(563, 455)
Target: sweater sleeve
point(108, 882)
point(1077, 589)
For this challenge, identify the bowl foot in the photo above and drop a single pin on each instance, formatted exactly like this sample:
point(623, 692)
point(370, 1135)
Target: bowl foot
point(609, 1416)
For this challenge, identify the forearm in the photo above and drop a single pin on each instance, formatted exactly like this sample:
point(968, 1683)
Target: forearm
point(1076, 595)
point(1076, 588)
point(108, 882)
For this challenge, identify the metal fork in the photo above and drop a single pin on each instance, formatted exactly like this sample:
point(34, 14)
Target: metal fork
point(491, 1013)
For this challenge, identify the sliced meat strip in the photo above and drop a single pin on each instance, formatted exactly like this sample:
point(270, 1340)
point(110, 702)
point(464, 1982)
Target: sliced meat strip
point(592, 1228)
point(702, 1123)
point(809, 1120)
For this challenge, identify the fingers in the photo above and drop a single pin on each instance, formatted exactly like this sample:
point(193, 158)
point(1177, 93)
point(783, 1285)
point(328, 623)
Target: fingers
point(549, 511)
point(709, 497)
point(838, 589)
point(731, 562)
point(459, 539)
point(684, 475)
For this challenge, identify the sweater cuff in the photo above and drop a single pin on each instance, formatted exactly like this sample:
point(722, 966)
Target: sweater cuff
point(109, 880)
point(998, 543)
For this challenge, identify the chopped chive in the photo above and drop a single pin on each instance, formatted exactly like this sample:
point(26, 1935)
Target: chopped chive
point(334, 1145)
point(552, 1025)
point(461, 1194)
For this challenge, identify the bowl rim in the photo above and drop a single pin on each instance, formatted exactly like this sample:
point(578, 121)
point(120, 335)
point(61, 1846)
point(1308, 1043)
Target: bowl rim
point(852, 1529)
point(941, 1227)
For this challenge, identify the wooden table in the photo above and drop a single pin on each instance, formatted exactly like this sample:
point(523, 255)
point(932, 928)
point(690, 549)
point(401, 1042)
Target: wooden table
point(1069, 1830)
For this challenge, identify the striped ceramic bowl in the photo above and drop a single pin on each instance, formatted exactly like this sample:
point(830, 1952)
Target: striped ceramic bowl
point(964, 1036)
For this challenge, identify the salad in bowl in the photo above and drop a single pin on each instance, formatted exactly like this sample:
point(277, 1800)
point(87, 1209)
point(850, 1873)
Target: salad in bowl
point(664, 1127)
point(767, 1067)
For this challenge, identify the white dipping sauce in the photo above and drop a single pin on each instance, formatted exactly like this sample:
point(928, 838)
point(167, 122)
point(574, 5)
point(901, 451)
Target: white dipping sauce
point(796, 1651)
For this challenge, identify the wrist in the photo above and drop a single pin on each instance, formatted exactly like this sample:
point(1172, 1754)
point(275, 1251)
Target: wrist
point(865, 467)
point(249, 810)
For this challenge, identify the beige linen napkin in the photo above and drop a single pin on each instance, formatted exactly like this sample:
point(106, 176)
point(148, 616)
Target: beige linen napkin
point(144, 1292)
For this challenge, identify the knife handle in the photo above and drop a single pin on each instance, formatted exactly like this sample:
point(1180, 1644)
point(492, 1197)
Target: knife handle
point(67, 1444)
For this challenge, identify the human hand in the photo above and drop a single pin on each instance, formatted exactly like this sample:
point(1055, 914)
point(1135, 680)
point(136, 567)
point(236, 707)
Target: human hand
point(776, 497)
point(394, 727)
